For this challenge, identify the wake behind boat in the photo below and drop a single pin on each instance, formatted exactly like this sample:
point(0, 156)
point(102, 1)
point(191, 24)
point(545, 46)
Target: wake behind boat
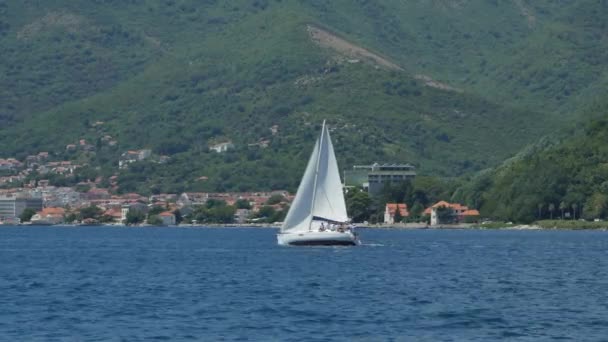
point(317, 216)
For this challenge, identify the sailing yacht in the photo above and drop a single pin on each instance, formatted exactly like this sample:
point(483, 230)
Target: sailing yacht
point(317, 216)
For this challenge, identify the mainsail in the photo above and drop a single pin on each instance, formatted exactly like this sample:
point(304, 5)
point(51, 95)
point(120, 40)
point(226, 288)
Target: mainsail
point(319, 195)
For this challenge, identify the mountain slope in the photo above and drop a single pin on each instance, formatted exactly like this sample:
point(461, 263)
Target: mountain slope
point(538, 54)
point(176, 76)
point(568, 171)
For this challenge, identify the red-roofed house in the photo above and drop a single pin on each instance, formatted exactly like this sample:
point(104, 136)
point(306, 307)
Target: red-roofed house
point(49, 216)
point(427, 211)
point(460, 212)
point(391, 209)
point(115, 213)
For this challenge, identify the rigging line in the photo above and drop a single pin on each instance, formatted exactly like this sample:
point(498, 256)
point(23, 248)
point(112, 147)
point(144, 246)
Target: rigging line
point(328, 201)
point(314, 188)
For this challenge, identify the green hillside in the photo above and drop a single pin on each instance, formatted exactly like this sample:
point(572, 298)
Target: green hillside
point(568, 174)
point(178, 75)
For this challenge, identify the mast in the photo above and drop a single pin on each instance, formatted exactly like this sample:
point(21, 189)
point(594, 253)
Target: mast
point(314, 188)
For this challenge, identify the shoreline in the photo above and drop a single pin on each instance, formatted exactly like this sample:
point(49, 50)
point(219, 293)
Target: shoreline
point(452, 226)
point(568, 225)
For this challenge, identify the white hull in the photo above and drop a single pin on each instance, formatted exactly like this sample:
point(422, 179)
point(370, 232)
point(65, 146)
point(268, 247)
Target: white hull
point(326, 238)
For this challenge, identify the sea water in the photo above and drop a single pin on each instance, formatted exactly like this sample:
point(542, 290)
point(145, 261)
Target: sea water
point(203, 284)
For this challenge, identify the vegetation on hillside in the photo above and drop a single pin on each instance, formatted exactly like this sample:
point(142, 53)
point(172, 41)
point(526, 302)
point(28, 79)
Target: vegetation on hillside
point(177, 76)
point(559, 178)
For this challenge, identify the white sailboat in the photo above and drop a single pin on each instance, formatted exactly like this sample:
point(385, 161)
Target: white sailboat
point(317, 215)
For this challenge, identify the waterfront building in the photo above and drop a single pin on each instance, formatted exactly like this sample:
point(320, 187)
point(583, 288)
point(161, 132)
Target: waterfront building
point(168, 218)
point(391, 209)
point(374, 177)
point(49, 216)
point(12, 207)
point(456, 213)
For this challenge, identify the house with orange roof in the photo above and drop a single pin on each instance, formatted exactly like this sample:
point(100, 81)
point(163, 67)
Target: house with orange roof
point(115, 213)
point(391, 209)
point(49, 216)
point(460, 213)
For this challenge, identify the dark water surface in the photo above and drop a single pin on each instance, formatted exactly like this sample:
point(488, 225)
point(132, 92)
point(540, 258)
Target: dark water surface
point(119, 284)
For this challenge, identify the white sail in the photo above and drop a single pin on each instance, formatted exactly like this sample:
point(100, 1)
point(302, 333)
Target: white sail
point(320, 193)
point(329, 198)
point(299, 215)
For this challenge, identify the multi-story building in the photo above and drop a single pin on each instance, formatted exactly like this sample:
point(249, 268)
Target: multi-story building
point(12, 207)
point(374, 177)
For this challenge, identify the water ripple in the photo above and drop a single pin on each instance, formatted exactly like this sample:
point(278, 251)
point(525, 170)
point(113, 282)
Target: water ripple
point(104, 284)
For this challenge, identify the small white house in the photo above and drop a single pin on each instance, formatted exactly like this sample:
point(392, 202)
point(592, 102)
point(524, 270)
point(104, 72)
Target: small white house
point(222, 147)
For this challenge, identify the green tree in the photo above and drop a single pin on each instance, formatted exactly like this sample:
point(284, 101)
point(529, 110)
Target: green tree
point(27, 214)
point(155, 210)
point(91, 212)
point(595, 206)
point(358, 204)
point(551, 209)
point(71, 217)
point(211, 203)
point(396, 192)
point(275, 199)
point(242, 203)
point(178, 216)
point(266, 213)
point(397, 218)
point(417, 209)
point(219, 212)
point(155, 220)
point(135, 216)
point(562, 207)
point(223, 214)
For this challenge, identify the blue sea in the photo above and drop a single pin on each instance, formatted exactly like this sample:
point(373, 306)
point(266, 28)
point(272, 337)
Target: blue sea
point(205, 284)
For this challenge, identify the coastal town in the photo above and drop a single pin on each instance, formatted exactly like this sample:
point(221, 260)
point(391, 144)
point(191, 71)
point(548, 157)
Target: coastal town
point(28, 200)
